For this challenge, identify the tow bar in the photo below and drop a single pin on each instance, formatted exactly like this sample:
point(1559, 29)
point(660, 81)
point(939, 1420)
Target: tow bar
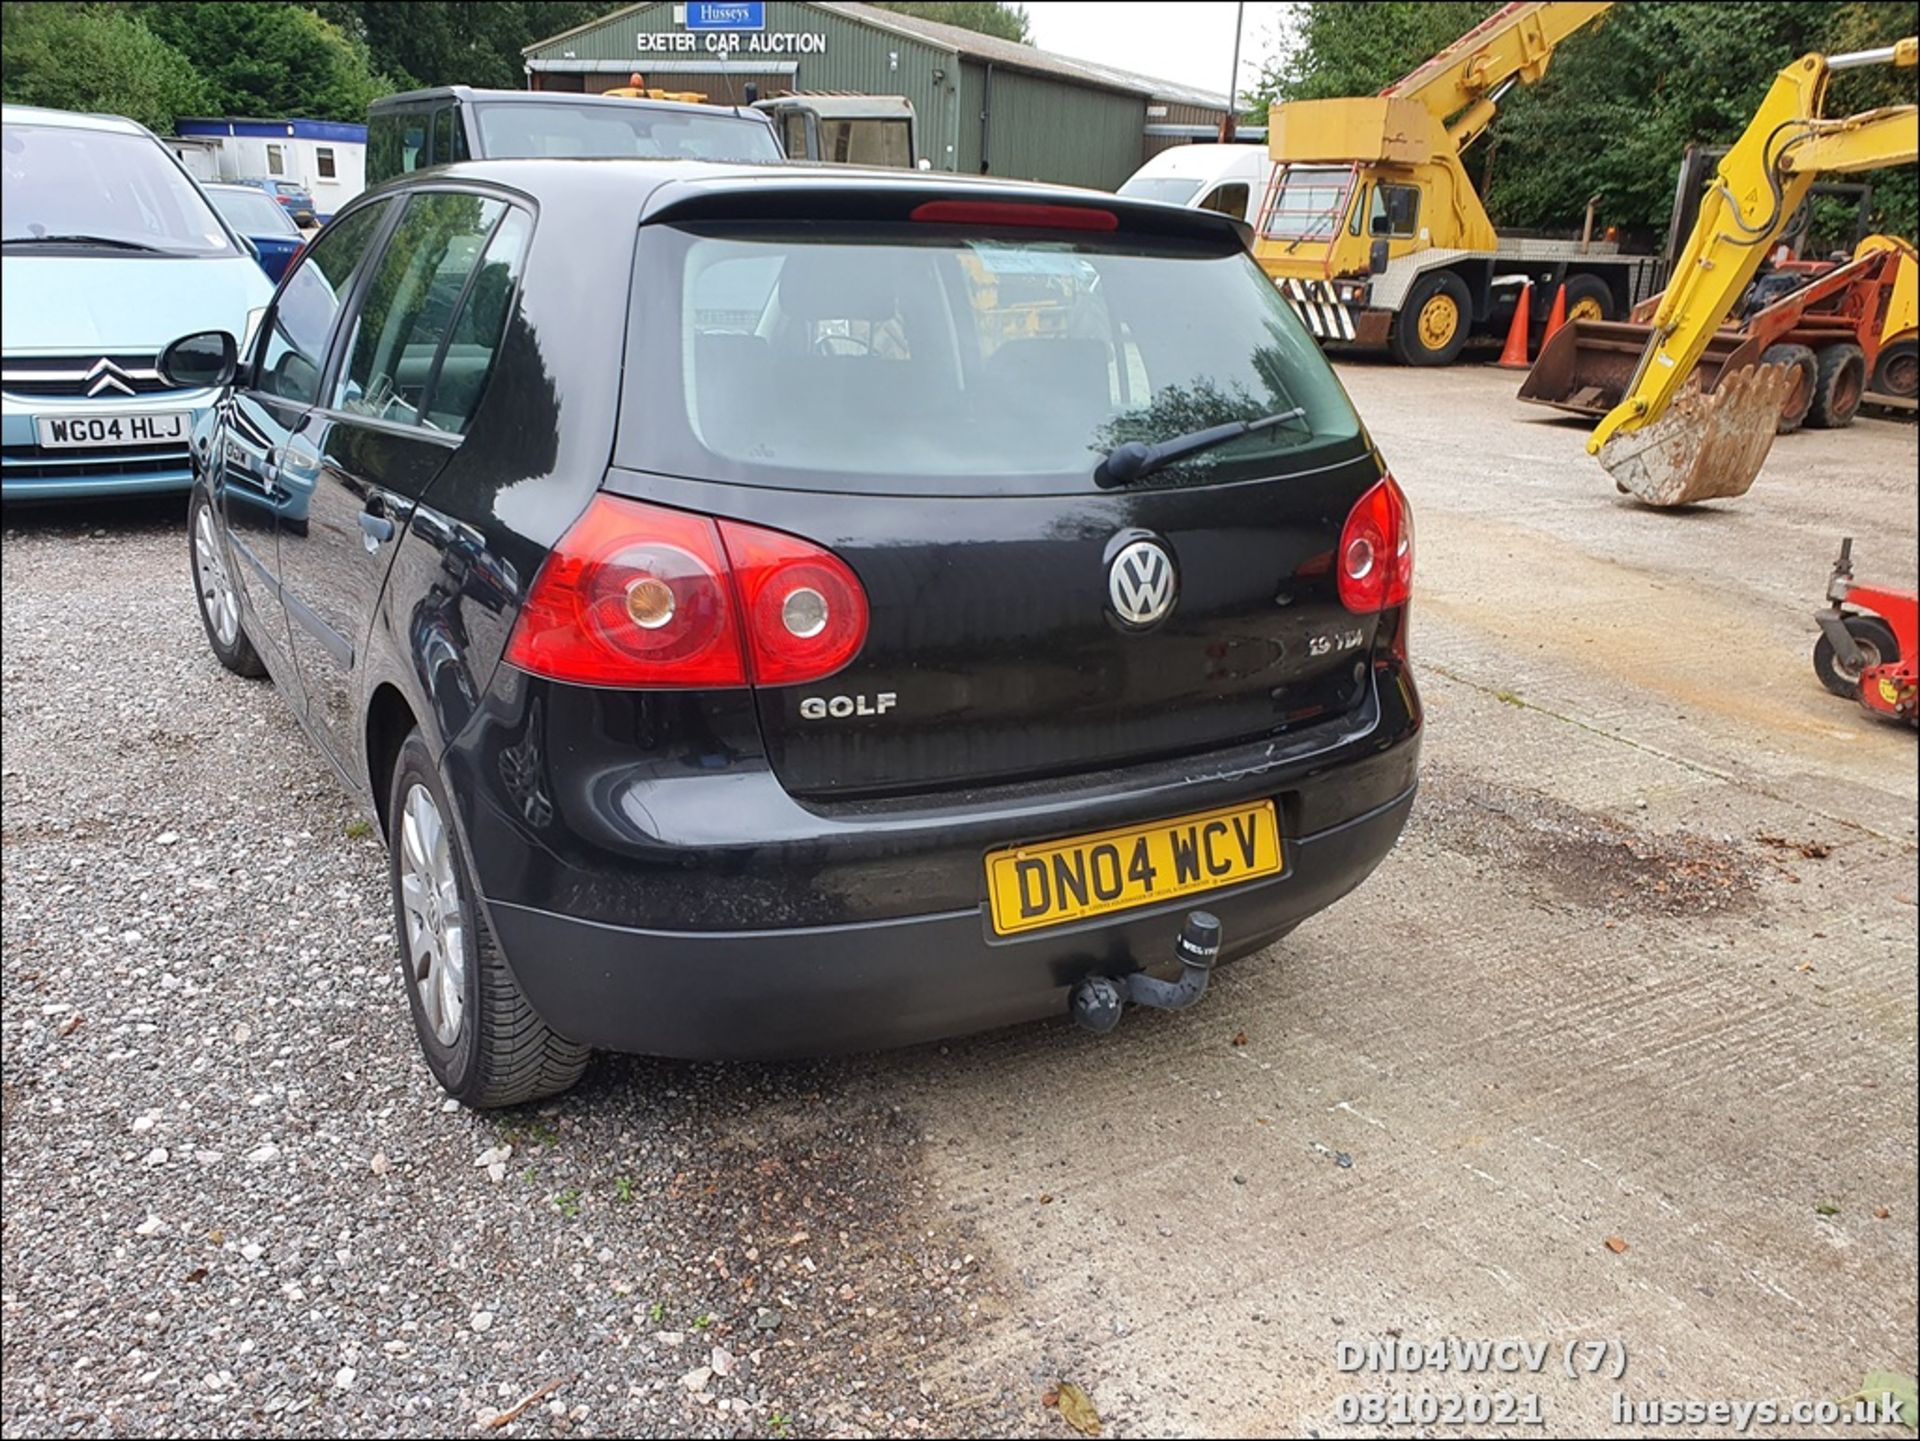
point(1096, 1002)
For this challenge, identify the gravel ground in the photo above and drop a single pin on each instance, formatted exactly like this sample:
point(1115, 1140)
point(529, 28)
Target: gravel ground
point(235, 1201)
point(1620, 1043)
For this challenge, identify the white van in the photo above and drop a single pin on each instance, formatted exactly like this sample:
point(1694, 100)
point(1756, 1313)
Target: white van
point(1231, 179)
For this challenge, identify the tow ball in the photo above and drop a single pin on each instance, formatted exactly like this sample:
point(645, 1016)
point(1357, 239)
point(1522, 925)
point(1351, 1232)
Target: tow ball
point(1869, 657)
point(1096, 1002)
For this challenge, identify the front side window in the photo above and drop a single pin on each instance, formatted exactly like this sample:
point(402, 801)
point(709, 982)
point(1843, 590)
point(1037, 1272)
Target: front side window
point(1309, 202)
point(1230, 199)
point(1394, 211)
point(293, 346)
point(99, 189)
point(424, 341)
point(910, 357)
point(794, 126)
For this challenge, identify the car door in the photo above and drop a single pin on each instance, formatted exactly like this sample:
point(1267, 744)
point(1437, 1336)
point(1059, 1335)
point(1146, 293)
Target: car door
point(262, 481)
point(417, 353)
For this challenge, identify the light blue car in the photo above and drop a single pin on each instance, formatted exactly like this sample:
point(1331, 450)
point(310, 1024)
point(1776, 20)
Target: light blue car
point(108, 252)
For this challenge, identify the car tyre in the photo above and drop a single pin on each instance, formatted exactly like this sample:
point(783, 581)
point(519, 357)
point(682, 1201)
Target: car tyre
point(216, 592)
point(481, 1038)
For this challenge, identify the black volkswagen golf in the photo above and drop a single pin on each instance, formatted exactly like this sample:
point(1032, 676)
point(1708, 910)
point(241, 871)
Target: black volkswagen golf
point(772, 611)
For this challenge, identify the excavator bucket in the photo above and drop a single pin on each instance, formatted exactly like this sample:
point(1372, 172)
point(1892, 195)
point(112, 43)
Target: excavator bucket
point(1588, 365)
point(1708, 446)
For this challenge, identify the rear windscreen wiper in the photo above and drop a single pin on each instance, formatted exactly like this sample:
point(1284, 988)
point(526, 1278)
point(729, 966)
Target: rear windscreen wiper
point(1127, 462)
point(108, 241)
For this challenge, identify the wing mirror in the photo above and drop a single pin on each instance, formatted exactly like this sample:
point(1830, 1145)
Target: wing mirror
point(1377, 258)
point(202, 361)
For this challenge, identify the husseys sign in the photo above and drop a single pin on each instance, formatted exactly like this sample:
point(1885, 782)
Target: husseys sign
point(726, 27)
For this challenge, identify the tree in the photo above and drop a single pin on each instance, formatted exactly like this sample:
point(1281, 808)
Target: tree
point(261, 58)
point(1621, 101)
point(95, 57)
point(455, 42)
point(986, 17)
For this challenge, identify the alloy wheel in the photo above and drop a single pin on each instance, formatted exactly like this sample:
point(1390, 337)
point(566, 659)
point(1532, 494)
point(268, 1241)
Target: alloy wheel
point(436, 938)
point(217, 595)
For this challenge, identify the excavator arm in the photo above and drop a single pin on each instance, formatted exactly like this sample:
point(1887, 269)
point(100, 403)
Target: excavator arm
point(1713, 446)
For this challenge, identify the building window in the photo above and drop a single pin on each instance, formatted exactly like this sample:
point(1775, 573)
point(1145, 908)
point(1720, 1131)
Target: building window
point(323, 161)
point(276, 160)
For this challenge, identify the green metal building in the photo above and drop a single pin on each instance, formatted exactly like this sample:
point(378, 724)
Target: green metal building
point(983, 105)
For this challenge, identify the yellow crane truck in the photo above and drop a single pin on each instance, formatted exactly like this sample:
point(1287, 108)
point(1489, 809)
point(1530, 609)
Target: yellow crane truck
point(1373, 231)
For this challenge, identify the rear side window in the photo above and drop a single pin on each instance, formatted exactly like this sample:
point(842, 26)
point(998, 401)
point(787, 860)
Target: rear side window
point(914, 358)
point(396, 144)
point(423, 343)
point(293, 348)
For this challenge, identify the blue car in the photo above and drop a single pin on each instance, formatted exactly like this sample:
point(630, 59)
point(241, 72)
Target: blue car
point(274, 237)
point(108, 252)
point(290, 195)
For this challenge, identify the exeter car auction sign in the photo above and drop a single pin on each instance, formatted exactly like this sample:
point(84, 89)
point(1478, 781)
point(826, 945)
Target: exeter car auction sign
point(722, 27)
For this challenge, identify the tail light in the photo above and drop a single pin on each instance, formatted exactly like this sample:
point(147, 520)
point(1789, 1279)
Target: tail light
point(1375, 560)
point(641, 596)
point(805, 613)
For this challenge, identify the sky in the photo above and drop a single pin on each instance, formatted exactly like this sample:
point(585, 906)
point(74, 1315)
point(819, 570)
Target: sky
point(1190, 41)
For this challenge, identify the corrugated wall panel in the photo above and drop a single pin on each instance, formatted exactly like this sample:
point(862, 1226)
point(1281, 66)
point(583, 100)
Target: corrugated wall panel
point(968, 104)
point(1042, 129)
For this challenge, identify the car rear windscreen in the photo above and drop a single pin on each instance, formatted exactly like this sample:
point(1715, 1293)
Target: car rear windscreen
point(916, 358)
point(1167, 189)
point(521, 129)
point(251, 212)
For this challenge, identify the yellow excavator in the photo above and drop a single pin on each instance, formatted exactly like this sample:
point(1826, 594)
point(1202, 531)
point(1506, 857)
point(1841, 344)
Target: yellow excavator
point(1669, 442)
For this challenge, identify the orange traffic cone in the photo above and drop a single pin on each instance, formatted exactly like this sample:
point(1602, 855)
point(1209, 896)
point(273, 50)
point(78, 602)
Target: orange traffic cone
point(1557, 317)
point(1514, 357)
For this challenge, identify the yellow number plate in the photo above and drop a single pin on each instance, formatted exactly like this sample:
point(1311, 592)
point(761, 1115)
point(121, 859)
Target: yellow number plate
point(1046, 885)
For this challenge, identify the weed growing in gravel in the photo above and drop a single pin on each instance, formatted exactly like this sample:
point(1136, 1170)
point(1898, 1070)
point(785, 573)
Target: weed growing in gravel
point(700, 1323)
point(544, 1134)
point(531, 1175)
point(358, 830)
point(567, 1203)
point(778, 1422)
point(622, 1188)
point(657, 1312)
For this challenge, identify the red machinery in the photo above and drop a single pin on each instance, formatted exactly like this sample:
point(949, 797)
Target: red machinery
point(1825, 321)
point(1872, 658)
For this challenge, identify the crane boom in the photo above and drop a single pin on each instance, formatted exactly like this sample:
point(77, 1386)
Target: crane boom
point(1515, 43)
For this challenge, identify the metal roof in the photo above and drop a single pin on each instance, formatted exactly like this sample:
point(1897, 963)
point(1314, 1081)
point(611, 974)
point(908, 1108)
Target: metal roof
point(972, 45)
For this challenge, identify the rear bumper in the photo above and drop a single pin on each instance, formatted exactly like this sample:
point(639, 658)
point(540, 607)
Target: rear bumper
point(823, 989)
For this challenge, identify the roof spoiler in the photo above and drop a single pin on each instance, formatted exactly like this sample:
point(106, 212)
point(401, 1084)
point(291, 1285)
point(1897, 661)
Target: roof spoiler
point(891, 196)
